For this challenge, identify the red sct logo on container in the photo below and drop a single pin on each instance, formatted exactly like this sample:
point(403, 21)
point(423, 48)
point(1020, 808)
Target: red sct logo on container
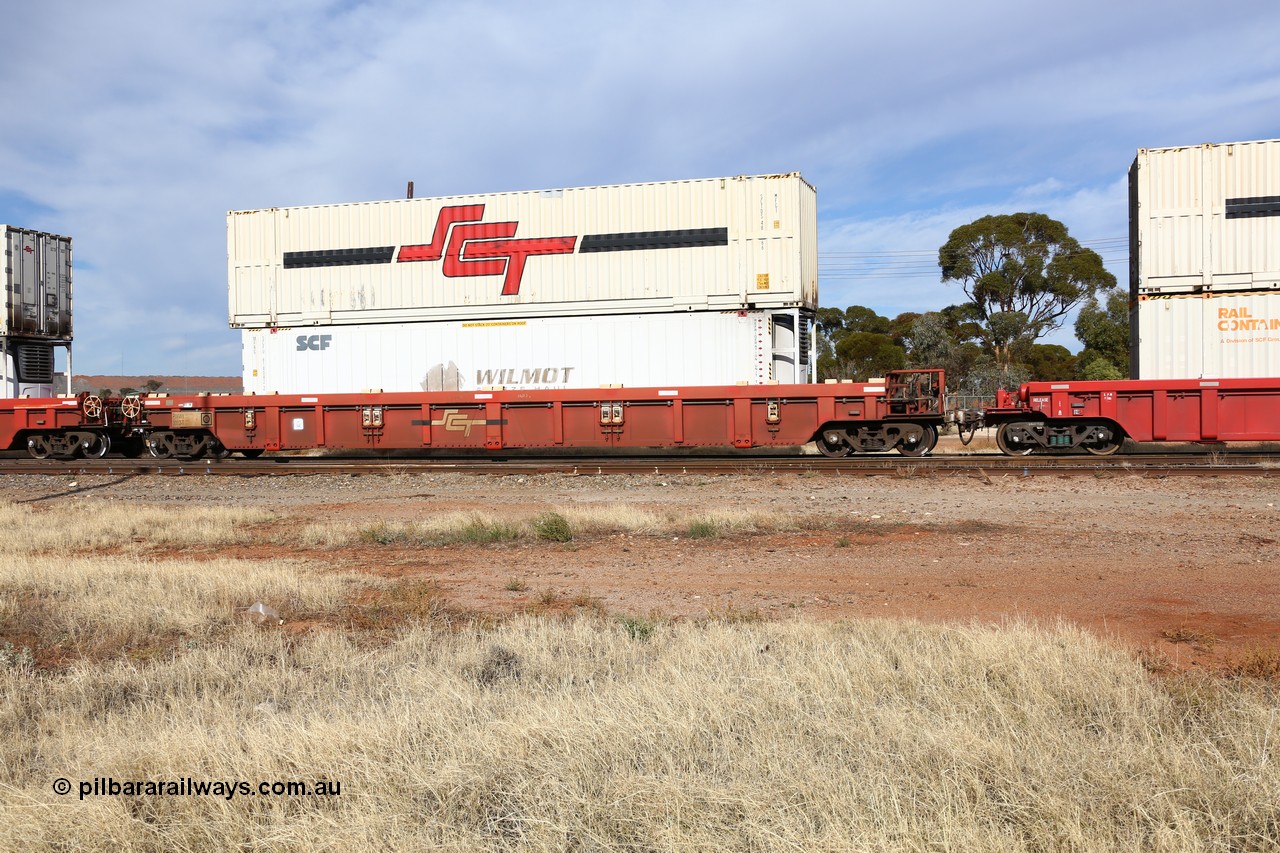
point(471, 247)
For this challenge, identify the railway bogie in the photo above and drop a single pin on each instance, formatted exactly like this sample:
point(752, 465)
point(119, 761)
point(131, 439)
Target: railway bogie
point(907, 437)
point(185, 444)
point(1018, 438)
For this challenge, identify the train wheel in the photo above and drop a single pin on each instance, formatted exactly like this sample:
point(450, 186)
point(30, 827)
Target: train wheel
point(926, 442)
point(217, 450)
point(98, 447)
point(161, 445)
point(1008, 449)
point(1105, 448)
point(833, 443)
point(38, 447)
point(255, 452)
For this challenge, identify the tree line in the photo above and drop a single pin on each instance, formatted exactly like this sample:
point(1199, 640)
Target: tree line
point(1023, 275)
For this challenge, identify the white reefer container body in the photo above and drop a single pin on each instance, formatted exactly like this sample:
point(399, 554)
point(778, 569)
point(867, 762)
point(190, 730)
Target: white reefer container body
point(632, 350)
point(1205, 218)
point(1219, 336)
point(37, 282)
point(711, 244)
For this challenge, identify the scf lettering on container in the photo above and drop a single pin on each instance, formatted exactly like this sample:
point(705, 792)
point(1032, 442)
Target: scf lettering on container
point(313, 342)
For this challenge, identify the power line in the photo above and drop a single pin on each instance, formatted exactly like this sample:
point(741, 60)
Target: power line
point(903, 264)
point(1105, 244)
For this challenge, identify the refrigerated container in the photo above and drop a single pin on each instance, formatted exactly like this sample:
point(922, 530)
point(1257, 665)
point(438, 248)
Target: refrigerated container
point(1206, 336)
point(37, 315)
point(37, 270)
point(629, 350)
point(741, 243)
point(1205, 218)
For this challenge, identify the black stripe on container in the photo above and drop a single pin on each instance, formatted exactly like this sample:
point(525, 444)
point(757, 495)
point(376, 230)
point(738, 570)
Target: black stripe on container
point(1244, 208)
point(688, 238)
point(339, 257)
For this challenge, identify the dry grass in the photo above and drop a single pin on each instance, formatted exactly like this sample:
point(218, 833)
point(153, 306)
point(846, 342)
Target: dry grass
point(595, 732)
point(85, 607)
point(558, 524)
point(590, 733)
point(451, 528)
point(1191, 636)
point(93, 525)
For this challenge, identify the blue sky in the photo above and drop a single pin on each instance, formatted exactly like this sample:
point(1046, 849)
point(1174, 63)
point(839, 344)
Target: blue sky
point(134, 126)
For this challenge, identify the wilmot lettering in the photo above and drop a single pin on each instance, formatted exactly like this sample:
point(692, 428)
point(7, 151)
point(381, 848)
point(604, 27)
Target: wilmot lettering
point(523, 376)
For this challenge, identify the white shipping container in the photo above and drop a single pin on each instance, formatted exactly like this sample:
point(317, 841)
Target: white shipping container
point(1223, 336)
point(37, 282)
point(712, 244)
point(632, 350)
point(1205, 218)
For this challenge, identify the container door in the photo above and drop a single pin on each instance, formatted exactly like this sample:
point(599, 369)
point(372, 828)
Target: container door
point(39, 298)
point(785, 347)
point(24, 260)
point(57, 287)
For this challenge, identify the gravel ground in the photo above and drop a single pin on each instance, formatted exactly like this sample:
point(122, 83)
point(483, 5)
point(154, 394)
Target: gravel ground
point(1147, 561)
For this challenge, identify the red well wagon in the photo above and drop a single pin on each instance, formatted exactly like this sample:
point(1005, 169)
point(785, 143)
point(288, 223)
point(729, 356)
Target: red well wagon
point(902, 413)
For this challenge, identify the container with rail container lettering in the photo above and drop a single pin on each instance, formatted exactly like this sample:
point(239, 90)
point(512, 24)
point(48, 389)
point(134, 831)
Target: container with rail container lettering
point(722, 244)
point(37, 316)
point(1205, 219)
point(1206, 336)
point(628, 350)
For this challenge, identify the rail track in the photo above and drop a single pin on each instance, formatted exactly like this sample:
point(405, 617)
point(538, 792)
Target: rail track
point(973, 464)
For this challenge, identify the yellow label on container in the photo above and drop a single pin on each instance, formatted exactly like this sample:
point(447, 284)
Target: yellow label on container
point(762, 281)
point(777, 223)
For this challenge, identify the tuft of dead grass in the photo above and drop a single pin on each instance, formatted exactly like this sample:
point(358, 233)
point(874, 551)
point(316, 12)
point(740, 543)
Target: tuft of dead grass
point(1258, 662)
point(1205, 640)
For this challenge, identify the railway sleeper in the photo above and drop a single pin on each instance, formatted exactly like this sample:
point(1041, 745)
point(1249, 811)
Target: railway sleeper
point(1024, 437)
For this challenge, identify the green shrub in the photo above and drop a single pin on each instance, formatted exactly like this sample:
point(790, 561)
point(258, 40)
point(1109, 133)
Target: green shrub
point(553, 527)
point(703, 529)
point(637, 628)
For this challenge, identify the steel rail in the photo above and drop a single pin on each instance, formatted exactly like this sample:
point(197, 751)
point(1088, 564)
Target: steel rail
point(976, 464)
